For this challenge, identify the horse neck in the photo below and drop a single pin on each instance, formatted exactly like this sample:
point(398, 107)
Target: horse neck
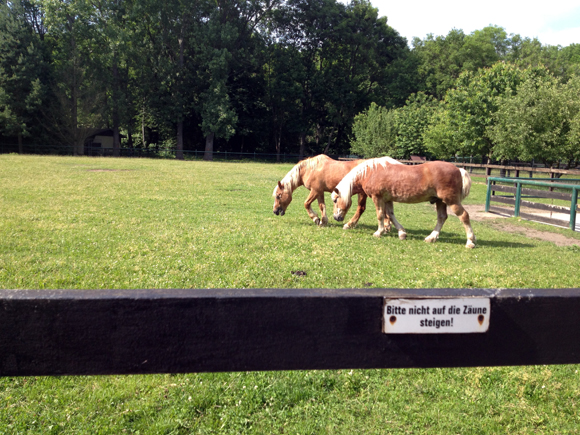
point(357, 185)
point(296, 182)
point(300, 178)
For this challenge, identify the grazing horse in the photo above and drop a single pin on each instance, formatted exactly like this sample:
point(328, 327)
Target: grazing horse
point(440, 183)
point(318, 174)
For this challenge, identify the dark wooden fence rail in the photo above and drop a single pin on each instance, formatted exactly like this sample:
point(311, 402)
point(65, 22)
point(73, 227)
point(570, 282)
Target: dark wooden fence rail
point(87, 332)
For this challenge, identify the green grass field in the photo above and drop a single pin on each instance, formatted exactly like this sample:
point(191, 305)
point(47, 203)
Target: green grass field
point(93, 223)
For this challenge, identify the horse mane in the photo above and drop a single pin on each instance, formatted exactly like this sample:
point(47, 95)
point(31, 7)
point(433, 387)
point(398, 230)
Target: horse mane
point(347, 183)
point(291, 179)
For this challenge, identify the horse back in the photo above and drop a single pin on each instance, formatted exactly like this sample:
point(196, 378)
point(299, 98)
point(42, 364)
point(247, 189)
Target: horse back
point(328, 173)
point(411, 184)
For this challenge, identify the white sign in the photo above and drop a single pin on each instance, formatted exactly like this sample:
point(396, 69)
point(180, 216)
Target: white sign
point(436, 316)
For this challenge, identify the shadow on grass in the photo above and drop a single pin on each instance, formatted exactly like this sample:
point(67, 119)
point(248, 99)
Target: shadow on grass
point(445, 237)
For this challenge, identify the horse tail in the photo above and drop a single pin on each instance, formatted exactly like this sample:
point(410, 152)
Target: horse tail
point(466, 180)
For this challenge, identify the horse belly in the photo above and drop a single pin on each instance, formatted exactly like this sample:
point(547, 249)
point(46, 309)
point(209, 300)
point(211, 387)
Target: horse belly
point(409, 193)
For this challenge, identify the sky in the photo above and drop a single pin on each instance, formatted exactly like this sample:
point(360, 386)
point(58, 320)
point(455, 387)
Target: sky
point(554, 22)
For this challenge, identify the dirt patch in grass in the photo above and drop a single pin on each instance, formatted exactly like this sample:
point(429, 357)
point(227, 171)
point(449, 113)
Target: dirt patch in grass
point(477, 212)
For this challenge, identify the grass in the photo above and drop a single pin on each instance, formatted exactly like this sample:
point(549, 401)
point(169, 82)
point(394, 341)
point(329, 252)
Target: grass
point(93, 223)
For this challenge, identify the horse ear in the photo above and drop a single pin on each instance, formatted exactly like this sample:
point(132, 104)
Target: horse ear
point(280, 186)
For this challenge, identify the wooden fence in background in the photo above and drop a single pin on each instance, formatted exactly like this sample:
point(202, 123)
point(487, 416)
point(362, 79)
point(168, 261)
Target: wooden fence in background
point(487, 170)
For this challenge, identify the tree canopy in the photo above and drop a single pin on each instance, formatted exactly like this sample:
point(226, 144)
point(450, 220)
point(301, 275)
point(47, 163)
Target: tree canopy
point(274, 76)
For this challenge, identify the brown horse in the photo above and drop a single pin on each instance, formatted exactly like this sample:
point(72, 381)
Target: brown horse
point(440, 183)
point(318, 174)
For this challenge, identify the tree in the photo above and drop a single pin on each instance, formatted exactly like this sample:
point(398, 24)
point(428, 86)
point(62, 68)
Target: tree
point(412, 120)
point(539, 122)
point(356, 66)
point(23, 69)
point(375, 132)
point(166, 44)
point(442, 59)
point(114, 55)
point(398, 133)
point(79, 105)
point(224, 41)
point(569, 59)
point(470, 108)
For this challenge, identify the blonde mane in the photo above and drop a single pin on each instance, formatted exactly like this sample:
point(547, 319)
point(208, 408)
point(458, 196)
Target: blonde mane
point(292, 178)
point(347, 183)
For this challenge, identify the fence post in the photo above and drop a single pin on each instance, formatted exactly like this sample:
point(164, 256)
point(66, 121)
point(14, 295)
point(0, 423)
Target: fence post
point(488, 195)
point(573, 205)
point(518, 200)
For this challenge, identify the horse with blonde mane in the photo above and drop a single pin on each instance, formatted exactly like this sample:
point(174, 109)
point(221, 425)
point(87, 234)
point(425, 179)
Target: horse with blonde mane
point(440, 183)
point(318, 174)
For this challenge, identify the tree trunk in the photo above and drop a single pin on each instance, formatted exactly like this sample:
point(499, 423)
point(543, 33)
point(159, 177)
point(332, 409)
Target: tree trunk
point(278, 140)
point(329, 139)
point(116, 141)
point(208, 154)
point(79, 146)
point(179, 150)
point(302, 145)
point(115, 97)
point(143, 138)
point(130, 136)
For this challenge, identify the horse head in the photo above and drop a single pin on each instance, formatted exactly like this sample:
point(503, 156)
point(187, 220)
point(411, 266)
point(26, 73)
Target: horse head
point(282, 199)
point(341, 205)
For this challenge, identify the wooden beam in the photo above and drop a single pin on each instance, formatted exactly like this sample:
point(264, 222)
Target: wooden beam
point(88, 332)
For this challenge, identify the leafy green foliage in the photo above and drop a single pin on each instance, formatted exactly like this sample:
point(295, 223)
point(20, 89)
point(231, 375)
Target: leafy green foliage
point(284, 76)
point(22, 65)
point(375, 132)
point(470, 108)
point(444, 58)
point(413, 119)
point(537, 122)
point(395, 132)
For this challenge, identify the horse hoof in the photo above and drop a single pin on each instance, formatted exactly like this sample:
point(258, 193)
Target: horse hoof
point(430, 239)
point(316, 221)
point(378, 234)
point(346, 227)
point(323, 222)
point(402, 235)
point(470, 244)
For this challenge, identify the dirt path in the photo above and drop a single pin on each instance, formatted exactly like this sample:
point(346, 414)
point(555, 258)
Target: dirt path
point(477, 212)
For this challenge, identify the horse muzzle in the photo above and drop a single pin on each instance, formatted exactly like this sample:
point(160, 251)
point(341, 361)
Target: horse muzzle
point(279, 212)
point(338, 217)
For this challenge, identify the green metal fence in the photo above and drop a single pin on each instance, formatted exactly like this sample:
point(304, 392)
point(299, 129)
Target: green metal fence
point(557, 189)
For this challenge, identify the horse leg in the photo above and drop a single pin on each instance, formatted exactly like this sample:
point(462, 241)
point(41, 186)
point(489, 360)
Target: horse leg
point(307, 205)
point(380, 206)
point(391, 214)
point(322, 206)
point(441, 218)
point(464, 218)
point(362, 205)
